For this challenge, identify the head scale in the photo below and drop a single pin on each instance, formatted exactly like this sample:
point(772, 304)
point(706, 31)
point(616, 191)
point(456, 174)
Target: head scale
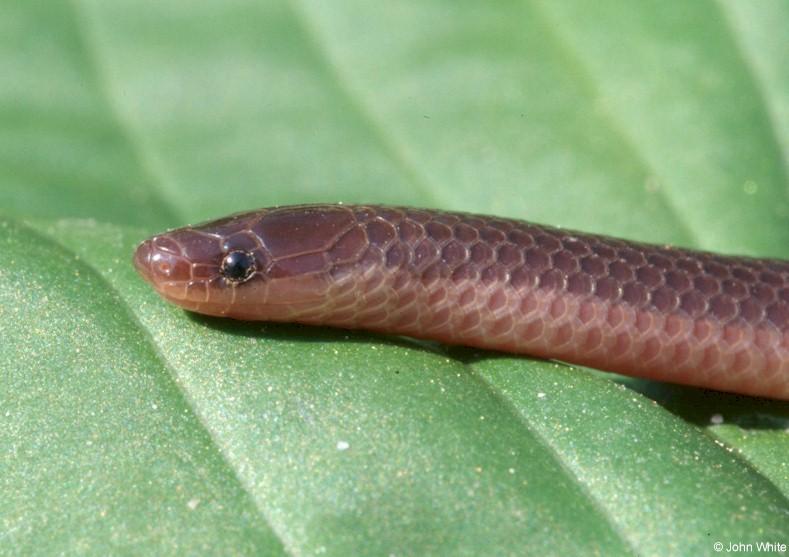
point(270, 264)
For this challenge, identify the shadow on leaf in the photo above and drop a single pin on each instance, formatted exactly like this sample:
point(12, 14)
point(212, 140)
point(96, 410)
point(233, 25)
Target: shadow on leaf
point(296, 332)
point(694, 405)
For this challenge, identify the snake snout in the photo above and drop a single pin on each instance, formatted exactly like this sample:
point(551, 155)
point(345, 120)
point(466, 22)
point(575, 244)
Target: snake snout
point(158, 263)
point(142, 259)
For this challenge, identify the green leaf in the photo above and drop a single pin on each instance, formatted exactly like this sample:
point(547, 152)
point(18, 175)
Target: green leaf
point(130, 426)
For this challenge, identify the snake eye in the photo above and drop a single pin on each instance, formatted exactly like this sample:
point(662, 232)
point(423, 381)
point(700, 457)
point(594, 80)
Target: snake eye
point(237, 266)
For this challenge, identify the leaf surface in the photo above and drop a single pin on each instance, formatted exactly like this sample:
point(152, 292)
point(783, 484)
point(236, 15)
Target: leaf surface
point(131, 426)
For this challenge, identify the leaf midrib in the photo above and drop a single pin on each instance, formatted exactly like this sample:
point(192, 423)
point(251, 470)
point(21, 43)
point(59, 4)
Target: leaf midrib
point(134, 140)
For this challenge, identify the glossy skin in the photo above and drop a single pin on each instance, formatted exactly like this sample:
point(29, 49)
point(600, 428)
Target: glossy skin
point(649, 311)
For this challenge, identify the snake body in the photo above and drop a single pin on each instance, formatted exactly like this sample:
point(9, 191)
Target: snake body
point(658, 312)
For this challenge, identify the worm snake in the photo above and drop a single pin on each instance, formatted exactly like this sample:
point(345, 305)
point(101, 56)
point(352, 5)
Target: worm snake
point(658, 312)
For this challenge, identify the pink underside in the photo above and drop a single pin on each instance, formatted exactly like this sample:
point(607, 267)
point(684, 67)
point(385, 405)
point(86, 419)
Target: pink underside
point(544, 323)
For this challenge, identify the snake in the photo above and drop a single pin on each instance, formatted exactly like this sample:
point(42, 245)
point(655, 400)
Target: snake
point(658, 312)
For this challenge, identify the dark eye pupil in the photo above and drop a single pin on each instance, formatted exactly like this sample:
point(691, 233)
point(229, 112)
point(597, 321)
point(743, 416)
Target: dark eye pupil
point(238, 266)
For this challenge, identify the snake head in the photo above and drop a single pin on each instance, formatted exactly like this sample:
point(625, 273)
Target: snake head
point(269, 264)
